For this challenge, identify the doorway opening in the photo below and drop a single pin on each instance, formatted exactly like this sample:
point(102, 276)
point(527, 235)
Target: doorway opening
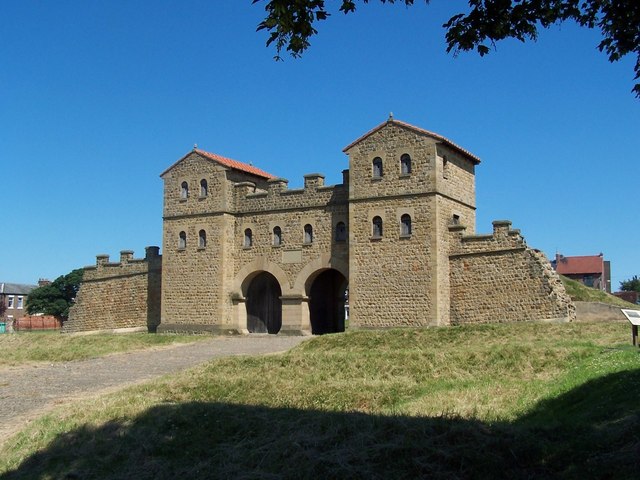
point(327, 297)
point(264, 306)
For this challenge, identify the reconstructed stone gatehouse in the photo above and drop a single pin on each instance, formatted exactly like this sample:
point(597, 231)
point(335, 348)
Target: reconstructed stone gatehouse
point(243, 253)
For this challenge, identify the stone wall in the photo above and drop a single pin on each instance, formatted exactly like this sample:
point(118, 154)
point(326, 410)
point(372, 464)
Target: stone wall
point(497, 278)
point(599, 312)
point(123, 295)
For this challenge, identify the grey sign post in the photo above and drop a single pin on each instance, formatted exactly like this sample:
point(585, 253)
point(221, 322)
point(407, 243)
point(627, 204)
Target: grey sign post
point(634, 317)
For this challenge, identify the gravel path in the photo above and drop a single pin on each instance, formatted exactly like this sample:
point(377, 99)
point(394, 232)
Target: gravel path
point(28, 391)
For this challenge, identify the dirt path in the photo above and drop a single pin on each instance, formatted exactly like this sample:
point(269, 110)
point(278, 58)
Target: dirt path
point(28, 391)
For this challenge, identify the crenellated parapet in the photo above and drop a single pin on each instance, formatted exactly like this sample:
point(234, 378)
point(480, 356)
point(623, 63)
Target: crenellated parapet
point(277, 196)
point(119, 295)
point(128, 265)
point(503, 238)
point(498, 278)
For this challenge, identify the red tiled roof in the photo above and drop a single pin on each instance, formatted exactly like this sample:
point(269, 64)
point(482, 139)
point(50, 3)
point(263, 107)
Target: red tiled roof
point(393, 121)
point(577, 265)
point(227, 162)
point(236, 165)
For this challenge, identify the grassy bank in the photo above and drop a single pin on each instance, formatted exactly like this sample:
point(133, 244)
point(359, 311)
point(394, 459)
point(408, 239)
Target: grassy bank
point(20, 348)
point(579, 293)
point(509, 401)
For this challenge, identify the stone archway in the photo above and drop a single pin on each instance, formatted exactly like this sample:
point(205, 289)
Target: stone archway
point(326, 302)
point(264, 304)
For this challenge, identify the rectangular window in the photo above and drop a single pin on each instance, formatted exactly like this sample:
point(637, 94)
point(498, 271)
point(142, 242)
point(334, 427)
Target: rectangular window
point(10, 300)
point(20, 302)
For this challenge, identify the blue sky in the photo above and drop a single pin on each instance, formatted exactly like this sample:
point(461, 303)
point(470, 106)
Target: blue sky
point(98, 98)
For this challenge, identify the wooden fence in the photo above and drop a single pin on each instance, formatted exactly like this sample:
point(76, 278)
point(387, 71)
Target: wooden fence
point(37, 322)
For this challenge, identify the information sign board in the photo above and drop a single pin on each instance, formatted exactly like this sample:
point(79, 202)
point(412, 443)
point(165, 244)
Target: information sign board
point(634, 317)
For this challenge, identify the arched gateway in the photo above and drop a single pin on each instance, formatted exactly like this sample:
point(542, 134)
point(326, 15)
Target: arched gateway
point(264, 305)
point(327, 293)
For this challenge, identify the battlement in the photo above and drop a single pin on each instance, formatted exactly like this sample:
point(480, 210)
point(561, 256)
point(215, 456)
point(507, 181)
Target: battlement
point(119, 295)
point(503, 238)
point(503, 276)
point(128, 265)
point(277, 196)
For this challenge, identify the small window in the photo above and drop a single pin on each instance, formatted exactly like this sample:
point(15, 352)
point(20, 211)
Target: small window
point(405, 164)
point(377, 167)
point(184, 191)
point(308, 233)
point(202, 239)
point(10, 300)
point(377, 227)
point(405, 225)
point(455, 219)
point(248, 238)
point(341, 232)
point(204, 188)
point(445, 167)
point(20, 302)
point(277, 236)
point(182, 240)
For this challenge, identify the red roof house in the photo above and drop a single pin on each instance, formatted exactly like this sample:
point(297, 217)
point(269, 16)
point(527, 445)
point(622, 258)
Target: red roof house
point(591, 270)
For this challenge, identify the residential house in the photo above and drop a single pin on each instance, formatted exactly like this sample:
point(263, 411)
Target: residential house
point(590, 270)
point(14, 296)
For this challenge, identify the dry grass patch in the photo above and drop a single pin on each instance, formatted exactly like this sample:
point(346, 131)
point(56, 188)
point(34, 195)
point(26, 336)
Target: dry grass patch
point(21, 348)
point(516, 401)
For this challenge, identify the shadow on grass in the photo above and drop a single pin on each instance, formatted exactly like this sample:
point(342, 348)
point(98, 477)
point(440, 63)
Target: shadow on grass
point(590, 432)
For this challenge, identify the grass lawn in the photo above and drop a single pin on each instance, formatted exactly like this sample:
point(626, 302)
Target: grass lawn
point(490, 401)
point(578, 292)
point(52, 346)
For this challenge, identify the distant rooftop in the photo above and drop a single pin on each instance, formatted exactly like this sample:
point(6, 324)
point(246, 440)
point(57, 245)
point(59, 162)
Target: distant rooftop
point(580, 264)
point(15, 288)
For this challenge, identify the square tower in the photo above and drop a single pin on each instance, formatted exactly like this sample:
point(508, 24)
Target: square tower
point(407, 185)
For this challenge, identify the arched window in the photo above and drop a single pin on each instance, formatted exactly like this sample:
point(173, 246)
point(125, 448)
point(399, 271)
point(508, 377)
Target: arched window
point(248, 238)
point(308, 233)
point(277, 236)
point(377, 227)
point(377, 167)
point(405, 164)
point(182, 240)
point(341, 232)
point(405, 224)
point(202, 239)
point(204, 188)
point(184, 190)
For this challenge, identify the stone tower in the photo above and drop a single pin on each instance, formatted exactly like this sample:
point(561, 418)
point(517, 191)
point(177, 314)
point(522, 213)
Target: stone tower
point(407, 185)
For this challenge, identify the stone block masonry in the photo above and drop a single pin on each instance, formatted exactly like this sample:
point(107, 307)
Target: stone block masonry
point(122, 295)
point(242, 253)
point(498, 278)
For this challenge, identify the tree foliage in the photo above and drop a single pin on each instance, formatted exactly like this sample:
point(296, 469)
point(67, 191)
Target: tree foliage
point(290, 23)
point(631, 285)
point(57, 297)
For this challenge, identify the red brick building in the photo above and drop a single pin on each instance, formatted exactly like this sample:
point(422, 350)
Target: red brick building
point(590, 270)
point(14, 296)
point(631, 297)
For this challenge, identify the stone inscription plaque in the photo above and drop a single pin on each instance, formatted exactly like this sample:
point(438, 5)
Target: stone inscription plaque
point(292, 256)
